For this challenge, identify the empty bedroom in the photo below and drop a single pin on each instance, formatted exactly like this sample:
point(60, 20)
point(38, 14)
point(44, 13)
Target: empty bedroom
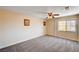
point(39, 28)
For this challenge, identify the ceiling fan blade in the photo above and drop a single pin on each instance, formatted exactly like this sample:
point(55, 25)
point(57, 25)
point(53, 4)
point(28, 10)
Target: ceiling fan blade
point(56, 14)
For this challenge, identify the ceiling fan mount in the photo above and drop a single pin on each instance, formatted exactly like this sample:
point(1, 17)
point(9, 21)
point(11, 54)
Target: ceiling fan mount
point(50, 14)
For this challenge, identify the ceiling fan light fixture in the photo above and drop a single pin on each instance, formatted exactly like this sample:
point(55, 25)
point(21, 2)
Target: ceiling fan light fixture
point(49, 17)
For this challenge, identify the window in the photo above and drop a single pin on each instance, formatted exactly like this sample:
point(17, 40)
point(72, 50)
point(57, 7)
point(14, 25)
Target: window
point(62, 26)
point(67, 25)
point(71, 25)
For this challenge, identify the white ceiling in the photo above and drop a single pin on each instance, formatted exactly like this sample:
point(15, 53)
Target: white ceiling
point(38, 11)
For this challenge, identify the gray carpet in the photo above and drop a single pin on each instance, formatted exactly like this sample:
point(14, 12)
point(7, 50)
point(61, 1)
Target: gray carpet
point(44, 44)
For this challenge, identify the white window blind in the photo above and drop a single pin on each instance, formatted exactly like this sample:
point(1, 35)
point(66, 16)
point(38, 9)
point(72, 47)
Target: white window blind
point(67, 25)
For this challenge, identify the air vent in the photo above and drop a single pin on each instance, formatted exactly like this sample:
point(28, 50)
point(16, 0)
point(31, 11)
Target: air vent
point(67, 8)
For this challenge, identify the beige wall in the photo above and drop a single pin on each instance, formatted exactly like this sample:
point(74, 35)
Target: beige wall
point(54, 30)
point(50, 27)
point(1, 27)
point(78, 27)
point(13, 30)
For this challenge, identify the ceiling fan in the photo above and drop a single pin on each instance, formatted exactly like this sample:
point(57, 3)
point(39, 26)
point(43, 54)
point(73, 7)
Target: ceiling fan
point(51, 15)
